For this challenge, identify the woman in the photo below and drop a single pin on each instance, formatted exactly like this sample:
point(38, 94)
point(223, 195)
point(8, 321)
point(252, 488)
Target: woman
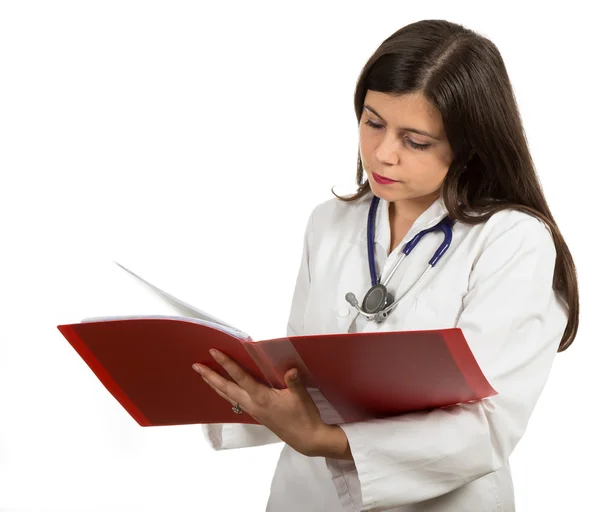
point(440, 134)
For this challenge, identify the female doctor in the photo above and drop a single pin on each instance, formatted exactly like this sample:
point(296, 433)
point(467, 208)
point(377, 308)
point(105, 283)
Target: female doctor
point(440, 136)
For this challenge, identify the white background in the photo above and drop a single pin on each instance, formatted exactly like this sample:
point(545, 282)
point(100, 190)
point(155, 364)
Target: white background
point(190, 142)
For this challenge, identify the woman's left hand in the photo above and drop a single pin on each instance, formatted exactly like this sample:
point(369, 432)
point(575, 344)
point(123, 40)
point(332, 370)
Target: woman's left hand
point(290, 414)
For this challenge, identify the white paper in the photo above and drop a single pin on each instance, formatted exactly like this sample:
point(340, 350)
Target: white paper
point(221, 327)
point(186, 311)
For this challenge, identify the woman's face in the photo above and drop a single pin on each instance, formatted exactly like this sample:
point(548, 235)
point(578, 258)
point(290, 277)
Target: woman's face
point(391, 148)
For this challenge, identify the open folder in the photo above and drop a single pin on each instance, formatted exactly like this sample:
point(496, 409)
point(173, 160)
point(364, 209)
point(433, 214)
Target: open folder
point(145, 362)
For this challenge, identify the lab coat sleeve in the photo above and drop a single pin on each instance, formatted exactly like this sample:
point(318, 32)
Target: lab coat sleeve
point(513, 321)
point(295, 325)
point(235, 435)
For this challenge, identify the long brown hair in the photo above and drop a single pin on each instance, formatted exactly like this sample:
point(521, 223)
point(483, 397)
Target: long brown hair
point(463, 75)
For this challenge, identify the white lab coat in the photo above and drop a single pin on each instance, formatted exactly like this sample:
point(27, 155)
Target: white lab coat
point(495, 283)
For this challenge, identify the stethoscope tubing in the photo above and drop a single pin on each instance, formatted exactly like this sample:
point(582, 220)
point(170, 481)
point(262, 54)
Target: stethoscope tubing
point(445, 225)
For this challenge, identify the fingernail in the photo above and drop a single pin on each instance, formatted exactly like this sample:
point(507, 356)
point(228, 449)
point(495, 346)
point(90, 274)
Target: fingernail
point(199, 368)
point(294, 375)
point(215, 353)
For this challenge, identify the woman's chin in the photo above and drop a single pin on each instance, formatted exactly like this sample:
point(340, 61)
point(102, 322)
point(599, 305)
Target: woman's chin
point(392, 192)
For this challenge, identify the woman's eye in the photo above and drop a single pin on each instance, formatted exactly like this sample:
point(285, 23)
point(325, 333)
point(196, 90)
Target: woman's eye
point(414, 145)
point(409, 142)
point(370, 123)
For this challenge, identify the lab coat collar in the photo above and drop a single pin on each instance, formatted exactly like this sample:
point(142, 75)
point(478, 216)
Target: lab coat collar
point(435, 213)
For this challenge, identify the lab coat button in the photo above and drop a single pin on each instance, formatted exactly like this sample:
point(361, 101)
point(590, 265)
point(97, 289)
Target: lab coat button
point(343, 312)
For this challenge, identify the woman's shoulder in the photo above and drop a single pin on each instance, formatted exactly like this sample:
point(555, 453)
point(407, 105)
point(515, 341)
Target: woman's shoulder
point(516, 227)
point(335, 212)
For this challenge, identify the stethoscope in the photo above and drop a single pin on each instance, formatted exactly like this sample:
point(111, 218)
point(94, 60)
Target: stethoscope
point(378, 302)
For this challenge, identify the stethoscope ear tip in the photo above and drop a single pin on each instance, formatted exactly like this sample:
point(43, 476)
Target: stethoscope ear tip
point(351, 298)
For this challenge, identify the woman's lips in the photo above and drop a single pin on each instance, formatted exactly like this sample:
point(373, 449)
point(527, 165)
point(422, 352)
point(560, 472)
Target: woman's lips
point(383, 181)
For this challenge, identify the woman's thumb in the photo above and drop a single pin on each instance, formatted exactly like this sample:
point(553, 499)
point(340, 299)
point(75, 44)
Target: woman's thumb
point(292, 379)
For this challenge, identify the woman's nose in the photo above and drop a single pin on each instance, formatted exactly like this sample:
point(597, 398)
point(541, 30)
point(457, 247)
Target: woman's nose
point(387, 150)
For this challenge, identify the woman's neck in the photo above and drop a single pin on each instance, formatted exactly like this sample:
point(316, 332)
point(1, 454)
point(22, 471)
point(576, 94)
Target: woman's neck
point(408, 210)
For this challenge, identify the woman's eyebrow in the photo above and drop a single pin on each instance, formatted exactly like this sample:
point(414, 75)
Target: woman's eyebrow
point(415, 130)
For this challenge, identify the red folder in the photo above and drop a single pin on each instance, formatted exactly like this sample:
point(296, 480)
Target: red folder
point(146, 364)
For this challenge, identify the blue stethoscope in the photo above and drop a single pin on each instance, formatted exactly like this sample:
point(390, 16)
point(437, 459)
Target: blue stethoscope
point(378, 302)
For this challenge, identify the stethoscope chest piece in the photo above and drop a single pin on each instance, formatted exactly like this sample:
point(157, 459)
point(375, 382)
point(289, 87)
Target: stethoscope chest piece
point(376, 299)
point(378, 302)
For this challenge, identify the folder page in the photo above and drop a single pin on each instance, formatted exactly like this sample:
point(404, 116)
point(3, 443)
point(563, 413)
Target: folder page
point(180, 306)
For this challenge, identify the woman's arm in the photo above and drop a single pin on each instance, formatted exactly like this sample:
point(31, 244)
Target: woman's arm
point(513, 322)
point(333, 443)
point(236, 435)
